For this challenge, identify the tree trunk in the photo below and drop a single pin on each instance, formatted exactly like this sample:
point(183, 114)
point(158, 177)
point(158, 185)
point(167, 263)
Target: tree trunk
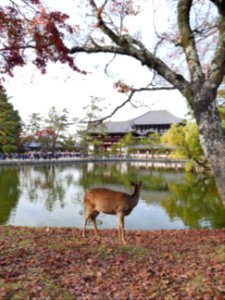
point(212, 136)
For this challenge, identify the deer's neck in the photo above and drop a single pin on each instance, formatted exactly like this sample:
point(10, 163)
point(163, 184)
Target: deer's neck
point(135, 196)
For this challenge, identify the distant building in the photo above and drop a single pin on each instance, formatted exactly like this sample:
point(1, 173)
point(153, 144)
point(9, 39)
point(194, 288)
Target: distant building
point(155, 121)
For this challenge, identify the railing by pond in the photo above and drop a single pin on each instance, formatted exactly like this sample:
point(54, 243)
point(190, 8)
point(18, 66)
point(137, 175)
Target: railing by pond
point(157, 162)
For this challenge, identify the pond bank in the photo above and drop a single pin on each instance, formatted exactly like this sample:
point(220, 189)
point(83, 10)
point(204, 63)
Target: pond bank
point(57, 263)
point(153, 162)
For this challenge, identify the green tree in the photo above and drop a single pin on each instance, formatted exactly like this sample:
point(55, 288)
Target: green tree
point(126, 142)
point(115, 149)
point(35, 121)
point(152, 143)
point(10, 125)
point(31, 127)
point(152, 139)
point(185, 140)
point(50, 130)
point(92, 130)
point(58, 122)
point(70, 142)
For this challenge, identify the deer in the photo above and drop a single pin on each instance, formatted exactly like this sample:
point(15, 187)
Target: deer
point(107, 201)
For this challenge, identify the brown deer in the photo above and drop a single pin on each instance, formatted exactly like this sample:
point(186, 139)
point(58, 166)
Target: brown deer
point(110, 202)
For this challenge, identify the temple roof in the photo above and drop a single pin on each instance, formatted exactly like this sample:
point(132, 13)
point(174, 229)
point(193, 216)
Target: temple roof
point(153, 117)
point(117, 127)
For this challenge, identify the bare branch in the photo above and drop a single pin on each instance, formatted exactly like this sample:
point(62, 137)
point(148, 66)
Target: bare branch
point(102, 25)
point(128, 100)
point(108, 63)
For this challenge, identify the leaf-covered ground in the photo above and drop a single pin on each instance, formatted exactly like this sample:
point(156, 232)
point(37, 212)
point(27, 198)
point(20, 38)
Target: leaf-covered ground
point(57, 263)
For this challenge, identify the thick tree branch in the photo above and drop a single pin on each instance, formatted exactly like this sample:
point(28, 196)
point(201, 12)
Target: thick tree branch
point(188, 41)
point(97, 49)
point(217, 68)
point(145, 57)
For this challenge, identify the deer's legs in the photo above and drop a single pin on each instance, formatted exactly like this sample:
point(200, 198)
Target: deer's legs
point(93, 218)
point(85, 223)
point(121, 227)
point(92, 215)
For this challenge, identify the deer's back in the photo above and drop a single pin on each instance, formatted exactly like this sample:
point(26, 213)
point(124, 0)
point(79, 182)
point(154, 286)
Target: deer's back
point(107, 201)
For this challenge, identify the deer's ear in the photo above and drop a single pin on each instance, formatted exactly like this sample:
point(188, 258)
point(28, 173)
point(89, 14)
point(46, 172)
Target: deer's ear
point(131, 182)
point(140, 183)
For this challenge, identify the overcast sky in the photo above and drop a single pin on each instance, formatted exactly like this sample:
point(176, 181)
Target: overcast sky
point(32, 92)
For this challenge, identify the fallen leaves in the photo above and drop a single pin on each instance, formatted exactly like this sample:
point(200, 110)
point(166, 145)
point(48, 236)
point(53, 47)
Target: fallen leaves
point(57, 263)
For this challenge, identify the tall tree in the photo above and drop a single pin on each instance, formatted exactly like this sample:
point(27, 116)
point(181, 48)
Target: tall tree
point(10, 125)
point(194, 26)
point(58, 122)
point(91, 143)
point(31, 127)
point(48, 131)
point(34, 123)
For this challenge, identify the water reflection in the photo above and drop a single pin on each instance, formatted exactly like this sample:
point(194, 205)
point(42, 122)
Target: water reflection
point(9, 192)
point(52, 196)
point(196, 202)
point(43, 183)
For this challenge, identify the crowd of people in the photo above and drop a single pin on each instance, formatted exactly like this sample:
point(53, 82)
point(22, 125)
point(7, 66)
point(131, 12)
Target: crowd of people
point(38, 155)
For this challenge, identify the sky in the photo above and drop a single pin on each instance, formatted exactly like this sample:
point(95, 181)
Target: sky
point(31, 92)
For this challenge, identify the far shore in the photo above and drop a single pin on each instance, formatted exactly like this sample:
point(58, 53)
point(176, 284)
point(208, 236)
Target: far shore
point(158, 162)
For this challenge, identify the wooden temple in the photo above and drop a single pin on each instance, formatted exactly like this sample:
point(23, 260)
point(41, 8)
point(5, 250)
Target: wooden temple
point(154, 121)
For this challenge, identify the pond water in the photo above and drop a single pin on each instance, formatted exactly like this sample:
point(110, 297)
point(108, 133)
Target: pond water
point(52, 196)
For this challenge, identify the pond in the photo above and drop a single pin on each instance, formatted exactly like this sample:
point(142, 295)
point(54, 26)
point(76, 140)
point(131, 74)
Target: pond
point(52, 196)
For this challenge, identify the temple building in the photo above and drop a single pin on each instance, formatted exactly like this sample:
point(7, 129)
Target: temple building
point(155, 121)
